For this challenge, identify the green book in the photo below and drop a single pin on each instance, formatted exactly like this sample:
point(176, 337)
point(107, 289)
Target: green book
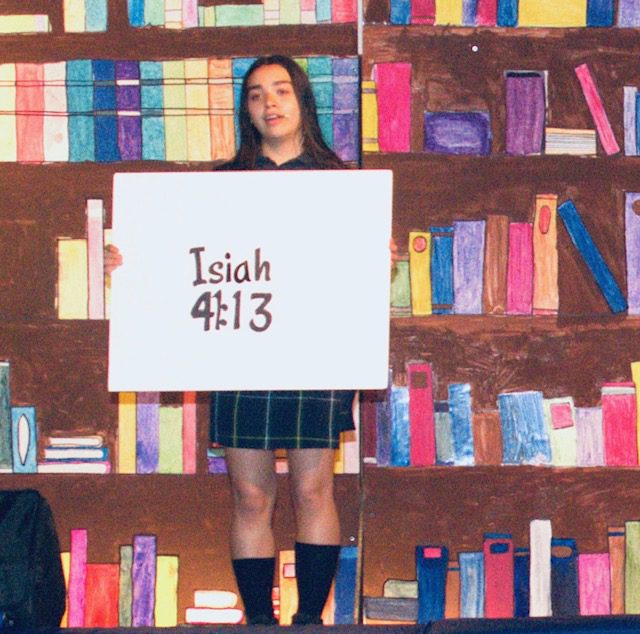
point(170, 439)
point(125, 594)
point(239, 15)
point(5, 417)
point(632, 568)
point(401, 288)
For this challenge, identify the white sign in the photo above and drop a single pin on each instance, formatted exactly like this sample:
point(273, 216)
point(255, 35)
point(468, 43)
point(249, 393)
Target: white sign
point(251, 280)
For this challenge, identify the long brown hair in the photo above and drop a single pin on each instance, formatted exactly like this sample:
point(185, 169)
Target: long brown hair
point(312, 142)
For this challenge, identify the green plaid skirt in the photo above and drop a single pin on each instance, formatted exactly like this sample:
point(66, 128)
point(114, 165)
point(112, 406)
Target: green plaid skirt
point(280, 420)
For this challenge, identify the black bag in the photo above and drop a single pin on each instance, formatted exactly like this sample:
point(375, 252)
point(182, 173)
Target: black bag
point(32, 590)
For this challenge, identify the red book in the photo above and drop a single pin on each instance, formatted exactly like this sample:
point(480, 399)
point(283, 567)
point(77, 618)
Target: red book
point(101, 595)
point(619, 424)
point(344, 11)
point(30, 112)
point(498, 576)
point(520, 269)
point(189, 440)
point(486, 12)
point(423, 11)
point(422, 448)
point(393, 87)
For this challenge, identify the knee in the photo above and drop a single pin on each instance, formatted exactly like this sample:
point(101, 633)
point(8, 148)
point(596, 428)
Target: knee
point(253, 501)
point(313, 495)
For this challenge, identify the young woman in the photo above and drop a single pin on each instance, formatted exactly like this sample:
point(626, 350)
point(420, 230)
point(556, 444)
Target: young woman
point(279, 130)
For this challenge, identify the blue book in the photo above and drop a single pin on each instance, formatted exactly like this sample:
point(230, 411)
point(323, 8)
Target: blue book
point(345, 586)
point(468, 266)
point(521, 582)
point(136, 12)
point(471, 585)
point(444, 433)
point(105, 106)
point(524, 436)
point(147, 432)
point(599, 12)
point(383, 428)
point(152, 104)
point(592, 257)
point(400, 12)
point(431, 573)
point(565, 600)
point(80, 108)
point(239, 68)
point(636, 121)
point(24, 439)
point(96, 15)
point(320, 72)
point(461, 424)
point(346, 107)
point(457, 133)
point(442, 270)
point(630, 114)
point(323, 11)
point(469, 12)
point(507, 14)
point(400, 453)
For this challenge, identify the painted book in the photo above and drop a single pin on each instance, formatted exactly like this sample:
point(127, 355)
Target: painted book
point(125, 586)
point(619, 419)
point(385, 610)
point(630, 120)
point(486, 12)
point(452, 591)
point(400, 12)
point(444, 433)
point(507, 13)
point(520, 269)
point(320, 73)
point(346, 107)
point(496, 258)
point(632, 567)
point(617, 547)
point(589, 437)
point(369, 116)
point(400, 450)
point(393, 83)
point(175, 103)
point(8, 149)
point(72, 289)
point(549, 13)
point(166, 591)
point(221, 121)
point(521, 593)
point(565, 600)
point(632, 243)
point(76, 453)
point(540, 568)
point(559, 414)
point(628, 13)
point(151, 110)
point(127, 432)
point(101, 598)
point(197, 110)
point(56, 123)
point(498, 575)
point(368, 408)
point(210, 616)
point(170, 439)
point(469, 8)
point(345, 586)
point(81, 107)
point(128, 104)
point(591, 256)
point(400, 295)
point(545, 256)
point(24, 439)
point(76, 591)
point(30, 112)
point(471, 585)
point(143, 580)
point(147, 432)
point(600, 13)
point(73, 16)
point(526, 110)
point(95, 258)
point(189, 433)
point(431, 573)
point(384, 428)
point(570, 141)
point(487, 437)
point(420, 272)
point(105, 106)
point(594, 584)
point(449, 12)
point(423, 11)
point(442, 297)
point(457, 133)
point(461, 426)
point(96, 16)
point(468, 265)
point(421, 415)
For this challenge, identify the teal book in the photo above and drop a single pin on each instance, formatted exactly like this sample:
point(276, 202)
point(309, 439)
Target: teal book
point(96, 15)
point(239, 67)
point(80, 109)
point(24, 439)
point(6, 457)
point(152, 105)
point(319, 70)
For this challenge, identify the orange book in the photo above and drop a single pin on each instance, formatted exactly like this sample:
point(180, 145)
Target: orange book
point(221, 121)
point(487, 437)
point(545, 256)
point(30, 112)
point(616, 541)
point(494, 292)
point(452, 591)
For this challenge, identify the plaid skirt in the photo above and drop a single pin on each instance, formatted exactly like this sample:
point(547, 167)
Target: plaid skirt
point(280, 420)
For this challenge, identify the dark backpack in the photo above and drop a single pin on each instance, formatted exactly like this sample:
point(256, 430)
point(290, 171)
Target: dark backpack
point(32, 590)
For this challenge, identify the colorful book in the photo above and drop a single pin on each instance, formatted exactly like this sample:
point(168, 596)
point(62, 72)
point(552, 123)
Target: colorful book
point(452, 590)
point(288, 586)
point(596, 107)
point(619, 424)
point(95, 257)
point(496, 256)
point(105, 106)
point(345, 586)
point(461, 425)
point(166, 592)
point(8, 148)
point(630, 120)
point(189, 14)
point(449, 12)
point(346, 104)
point(125, 588)
point(320, 73)
point(127, 432)
point(520, 269)
point(521, 579)
point(628, 13)
point(420, 272)
point(545, 256)
point(72, 289)
point(152, 111)
point(486, 12)
point(540, 568)
point(444, 433)
point(565, 600)
point(173, 14)
point(632, 567)
point(76, 453)
point(421, 414)
point(73, 16)
point(147, 432)
point(569, 141)
point(400, 589)
point(423, 12)
point(498, 575)
point(592, 257)
point(457, 133)
point(469, 8)
point(24, 439)
point(441, 270)
point(308, 11)
point(135, 11)
point(400, 451)
point(393, 84)
point(507, 13)
point(96, 16)
point(175, 119)
point(218, 599)
point(594, 584)
point(400, 295)
point(369, 116)
point(221, 121)
point(632, 243)
point(487, 437)
point(617, 547)
point(197, 104)
point(170, 439)
point(74, 466)
point(471, 585)
point(81, 107)
point(599, 12)
point(550, 13)
point(589, 437)
point(128, 104)
point(189, 433)
point(77, 577)
point(211, 616)
point(431, 573)
point(143, 580)
point(559, 416)
point(101, 595)
point(30, 112)
point(468, 265)
point(400, 12)
point(55, 125)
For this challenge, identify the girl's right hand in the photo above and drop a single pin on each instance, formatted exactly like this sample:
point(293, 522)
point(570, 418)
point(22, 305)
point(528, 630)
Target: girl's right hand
point(112, 258)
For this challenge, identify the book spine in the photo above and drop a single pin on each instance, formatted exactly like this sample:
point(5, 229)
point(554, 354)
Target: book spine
point(632, 567)
point(101, 604)
point(346, 104)
point(487, 437)
point(400, 12)
point(452, 590)
point(520, 269)
point(599, 12)
point(197, 103)
point(127, 432)
point(77, 577)
point(545, 256)
point(320, 73)
point(105, 104)
point(175, 119)
point(65, 560)
point(95, 258)
point(147, 432)
point(125, 592)
point(540, 568)
point(565, 600)
point(74, 16)
point(559, 414)
point(400, 452)
point(471, 585)
point(468, 265)
point(166, 592)
point(592, 257)
point(449, 12)
point(96, 15)
point(420, 272)
point(526, 107)
point(461, 425)
point(619, 424)
point(616, 543)
point(368, 401)
point(369, 116)
point(154, 12)
point(80, 106)
point(307, 12)
point(548, 13)
point(345, 586)
point(628, 13)
point(383, 428)
point(596, 107)
point(431, 571)
point(393, 83)
point(30, 112)
point(521, 594)
point(400, 292)
point(469, 11)
point(169, 439)
point(487, 12)
point(630, 108)
point(498, 576)
point(189, 433)
point(444, 433)
point(496, 257)
point(423, 12)
point(72, 288)
point(287, 584)
point(421, 414)
point(632, 243)
point(507, 13)
point(55, 125)
point(24, 439)
point(143, 580)
point(151, 111)
point(5, 416)
point(441, 270)
point(135, 11)
point(221, 120)
point(8, 132)
point(189, 14)
point(589, 437)
point(594, 584)
point(128, 106)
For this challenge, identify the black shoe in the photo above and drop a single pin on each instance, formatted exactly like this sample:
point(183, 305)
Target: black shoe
point(305, 619)
point(262, 619)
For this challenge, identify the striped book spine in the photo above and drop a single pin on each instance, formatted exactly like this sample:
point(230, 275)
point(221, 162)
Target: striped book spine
point(175, 121)
point(369, 116)
point(152, 107)
point(346, 97)
point(197, 102)
point(221, 119)
point(80, 107)
point(56, 122)
point(128, 107)
point(320, 72)
point(105, 104)
point(8, 132)
point(30, 112)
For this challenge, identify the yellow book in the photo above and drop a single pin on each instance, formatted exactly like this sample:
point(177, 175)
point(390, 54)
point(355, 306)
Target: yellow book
point(271, 12)
point(369, 117)
point(25, 23)
point(289, 11)
point(635, 377)
point(545, 256)
point(127, 432)
point(65, 560)
point(338, 458)
point(55, 125)
point(9, 145)
point(74, 16)
point(449, 12)
point(170, 439)
point(221, 120)
point(166, 607)
point(175, 117)
point(568, 13)
point(72, 298)
point(420, 272)
point(197, 101)
point(173, 14)
point(209, 14)
point(288, 588)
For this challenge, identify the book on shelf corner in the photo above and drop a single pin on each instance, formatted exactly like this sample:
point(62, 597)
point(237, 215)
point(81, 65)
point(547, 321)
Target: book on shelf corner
point(431, 573)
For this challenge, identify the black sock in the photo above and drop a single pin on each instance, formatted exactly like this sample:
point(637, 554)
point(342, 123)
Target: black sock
point(255, 583)
point(316, 566)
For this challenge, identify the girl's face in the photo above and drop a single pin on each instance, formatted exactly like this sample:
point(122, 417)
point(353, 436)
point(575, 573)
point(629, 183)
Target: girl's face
point(273, 106)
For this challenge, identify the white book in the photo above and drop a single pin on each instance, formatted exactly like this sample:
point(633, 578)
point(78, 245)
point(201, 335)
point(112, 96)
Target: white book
point(74, 453)
point(568, 141)
point(540, 570)
point(218, 599)
point(94, 440)
point(95, 257)
point(206, 616)
point(56, 120)
point(74, 467)
point(9, 145)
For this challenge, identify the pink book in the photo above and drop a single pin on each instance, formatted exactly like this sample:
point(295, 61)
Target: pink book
point(101, 604)
point(422, 448)
point(95, 257)
point(619, 424)
point(486, 12)
point(520, 269)
point(189, 442)
point(423, 11)
point(393, 87)
point(596, 107)
point(594, 584)
point(498, 576)
point(30, 112)
point(77, 576)
point(189, 14)
point(344, 11)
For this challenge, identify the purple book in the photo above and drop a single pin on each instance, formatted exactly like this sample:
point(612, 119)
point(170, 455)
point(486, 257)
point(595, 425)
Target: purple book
point(143, 580)
point(457, 133)
point(632, 239)
point(468, 265)
point(525, 94)
point(346, 99)
point(128, 104)
point(629, 13)
point(589, 437)
point(147, 432)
